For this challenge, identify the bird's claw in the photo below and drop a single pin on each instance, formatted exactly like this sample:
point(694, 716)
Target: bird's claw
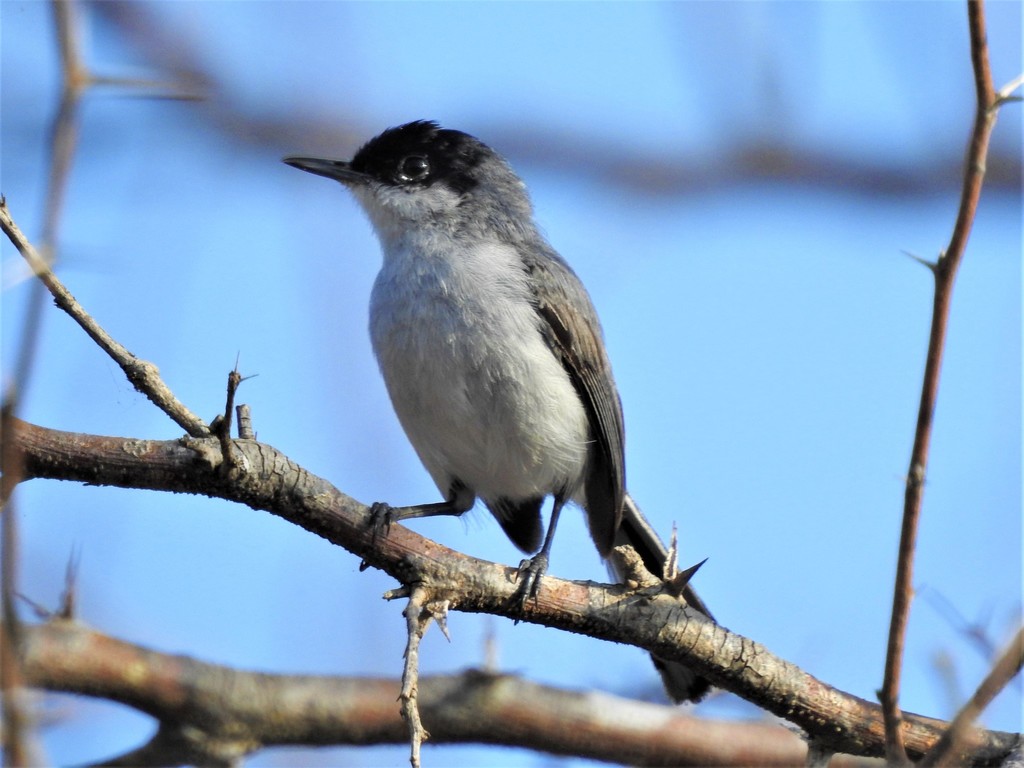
point(529, 573)
point(382, 515)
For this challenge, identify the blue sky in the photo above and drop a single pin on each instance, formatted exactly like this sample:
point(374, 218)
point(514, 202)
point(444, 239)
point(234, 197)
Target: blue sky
point(767, 335)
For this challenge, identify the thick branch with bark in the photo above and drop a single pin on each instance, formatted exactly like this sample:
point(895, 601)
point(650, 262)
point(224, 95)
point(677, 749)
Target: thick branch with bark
point(231, 713)
point(263, 478)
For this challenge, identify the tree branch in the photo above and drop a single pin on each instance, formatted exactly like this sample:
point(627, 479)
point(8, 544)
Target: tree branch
point(143, 375)
point(944, 272)
point(648, 618)
point(215, 715)
point(1005, 669)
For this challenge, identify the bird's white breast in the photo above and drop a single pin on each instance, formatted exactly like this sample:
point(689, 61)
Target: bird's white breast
point(477, 390)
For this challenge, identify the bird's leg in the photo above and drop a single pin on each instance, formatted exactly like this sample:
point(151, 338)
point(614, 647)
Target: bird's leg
point(531, 569)
point(382, 514)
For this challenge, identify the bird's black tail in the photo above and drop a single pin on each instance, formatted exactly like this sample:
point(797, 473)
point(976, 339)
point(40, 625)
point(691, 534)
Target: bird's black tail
point(681, 682)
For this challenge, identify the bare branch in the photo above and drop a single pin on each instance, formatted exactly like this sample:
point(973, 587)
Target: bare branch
point(221, 426)
point(1004, 670)
point(212, 714)
point(417, 620)
point(944, 271)
point(648, 618)
point(143, 375)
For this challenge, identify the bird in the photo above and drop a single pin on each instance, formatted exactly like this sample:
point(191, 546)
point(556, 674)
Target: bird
point(492, 353)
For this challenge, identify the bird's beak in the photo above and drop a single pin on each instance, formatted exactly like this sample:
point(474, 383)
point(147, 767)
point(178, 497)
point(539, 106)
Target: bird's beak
point(339, 170)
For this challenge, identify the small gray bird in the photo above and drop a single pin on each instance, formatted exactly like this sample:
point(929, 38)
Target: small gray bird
point(492, 352)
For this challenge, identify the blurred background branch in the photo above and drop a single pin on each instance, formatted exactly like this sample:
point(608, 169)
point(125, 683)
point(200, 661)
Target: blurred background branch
point(770, 151)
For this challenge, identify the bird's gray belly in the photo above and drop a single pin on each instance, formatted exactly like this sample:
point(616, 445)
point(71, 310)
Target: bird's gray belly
point(480, 395)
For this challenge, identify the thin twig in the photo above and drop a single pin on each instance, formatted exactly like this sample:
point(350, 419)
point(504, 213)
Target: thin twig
point(950, 744)
point(222, 424)
point(945, 270)
point(417, 619)
point(143, 375)
point(974, 632)
point(68, 606)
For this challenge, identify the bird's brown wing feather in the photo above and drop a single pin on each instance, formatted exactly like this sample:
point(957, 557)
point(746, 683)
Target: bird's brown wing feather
point(575, 338)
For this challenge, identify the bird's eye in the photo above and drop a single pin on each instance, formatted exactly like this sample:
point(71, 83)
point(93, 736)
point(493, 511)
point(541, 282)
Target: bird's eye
point(413, 168)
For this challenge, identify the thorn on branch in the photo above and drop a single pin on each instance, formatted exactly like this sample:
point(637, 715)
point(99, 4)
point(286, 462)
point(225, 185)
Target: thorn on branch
point(931, 265)
point(69, 598)
point(66, 606)
point(677, 583)
point(39, 610)
point(438, 610)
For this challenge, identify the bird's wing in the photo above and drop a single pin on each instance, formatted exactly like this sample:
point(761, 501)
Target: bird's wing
point(575, 338)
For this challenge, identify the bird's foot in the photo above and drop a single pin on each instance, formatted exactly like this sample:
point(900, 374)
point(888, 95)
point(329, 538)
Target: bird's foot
point(529, 573)
point(382, 515)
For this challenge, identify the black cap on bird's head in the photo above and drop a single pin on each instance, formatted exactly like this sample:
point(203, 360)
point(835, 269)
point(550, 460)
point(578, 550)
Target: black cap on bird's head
point(434, 176)
point(417, 154)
